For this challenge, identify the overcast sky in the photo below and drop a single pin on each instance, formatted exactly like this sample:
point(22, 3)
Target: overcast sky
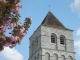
point(67, 11)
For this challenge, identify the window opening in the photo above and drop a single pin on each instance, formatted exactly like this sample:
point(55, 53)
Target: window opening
point(53, 39)
point(61, 40)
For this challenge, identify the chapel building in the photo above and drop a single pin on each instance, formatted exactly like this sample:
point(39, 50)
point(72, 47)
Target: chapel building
point(52, 41)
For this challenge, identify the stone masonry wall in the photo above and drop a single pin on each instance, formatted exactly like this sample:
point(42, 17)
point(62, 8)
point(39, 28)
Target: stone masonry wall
point(35, 40)
point(65, 50)
point(46, 38)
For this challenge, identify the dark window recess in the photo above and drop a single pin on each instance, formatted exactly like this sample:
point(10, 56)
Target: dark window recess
point(61, 40)
point(52, 39)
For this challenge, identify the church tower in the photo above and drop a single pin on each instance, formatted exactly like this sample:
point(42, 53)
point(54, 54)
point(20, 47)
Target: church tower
point(52, 41)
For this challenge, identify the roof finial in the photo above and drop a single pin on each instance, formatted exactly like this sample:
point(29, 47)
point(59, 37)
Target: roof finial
point(49, 7)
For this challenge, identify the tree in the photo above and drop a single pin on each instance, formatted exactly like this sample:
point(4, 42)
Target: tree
point(9, 20)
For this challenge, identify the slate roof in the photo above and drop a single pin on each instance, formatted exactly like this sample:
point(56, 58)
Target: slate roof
point(51, 20)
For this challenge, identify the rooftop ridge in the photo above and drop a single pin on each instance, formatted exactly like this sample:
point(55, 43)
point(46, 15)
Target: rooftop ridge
point(51, 20)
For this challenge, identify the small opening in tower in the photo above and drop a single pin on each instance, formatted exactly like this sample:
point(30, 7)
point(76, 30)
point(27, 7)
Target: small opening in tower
point(53, 39)
point(62, 40)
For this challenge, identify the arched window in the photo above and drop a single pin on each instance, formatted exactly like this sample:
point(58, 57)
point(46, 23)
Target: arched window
point(55, 57)
point(47, 56)
point(53, 38)
point(37, 40)
point(62, 57)
point(35, 58)
point(32, 47)
point(62, 40)
point(70, 58)
point(38, 57)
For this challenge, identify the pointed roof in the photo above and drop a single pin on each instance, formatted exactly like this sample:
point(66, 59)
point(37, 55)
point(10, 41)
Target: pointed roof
point(51, 20)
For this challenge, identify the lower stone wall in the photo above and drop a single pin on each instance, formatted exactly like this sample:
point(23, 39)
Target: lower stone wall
point(58, 55)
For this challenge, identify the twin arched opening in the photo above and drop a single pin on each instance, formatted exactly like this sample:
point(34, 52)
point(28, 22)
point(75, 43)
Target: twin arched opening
point(47, 56)
point(54, 39)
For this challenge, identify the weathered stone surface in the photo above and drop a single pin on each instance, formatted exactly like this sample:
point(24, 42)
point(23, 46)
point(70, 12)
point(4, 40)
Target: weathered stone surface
point(41, 47)
point(44, 44)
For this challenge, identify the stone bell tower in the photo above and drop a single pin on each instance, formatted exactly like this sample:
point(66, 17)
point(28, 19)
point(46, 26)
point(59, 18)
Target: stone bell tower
point(52, 41)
